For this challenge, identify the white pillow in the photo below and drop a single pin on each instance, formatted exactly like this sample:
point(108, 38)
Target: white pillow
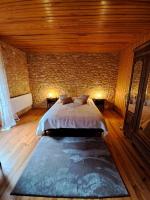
point(62, 97)
point(80, 101)
point(85, 98)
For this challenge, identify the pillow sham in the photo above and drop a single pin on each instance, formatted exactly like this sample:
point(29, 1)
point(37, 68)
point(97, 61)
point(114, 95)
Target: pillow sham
point(79, 101)
point(85, 98)
point(61, 97)
point(67, 100)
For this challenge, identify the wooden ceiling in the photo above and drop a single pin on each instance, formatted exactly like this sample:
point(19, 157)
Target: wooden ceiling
point(73, 25)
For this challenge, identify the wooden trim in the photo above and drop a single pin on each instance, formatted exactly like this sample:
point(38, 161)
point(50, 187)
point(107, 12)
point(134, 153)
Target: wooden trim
point(128, 98)
point(20, 95)
point(142, 50)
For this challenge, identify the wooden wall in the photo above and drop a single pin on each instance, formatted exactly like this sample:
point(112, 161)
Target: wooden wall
point(124, 74)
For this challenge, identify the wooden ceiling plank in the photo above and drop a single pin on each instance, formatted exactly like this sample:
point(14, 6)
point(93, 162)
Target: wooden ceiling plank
point(71, 25)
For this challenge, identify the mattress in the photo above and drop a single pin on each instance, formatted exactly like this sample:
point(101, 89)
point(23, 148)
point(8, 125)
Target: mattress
point(72, 115)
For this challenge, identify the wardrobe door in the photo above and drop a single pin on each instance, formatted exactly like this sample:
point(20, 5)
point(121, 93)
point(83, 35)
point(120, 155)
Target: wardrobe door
point(145, 116)
point(132, 98)
point(137, 118)
point(142, 137)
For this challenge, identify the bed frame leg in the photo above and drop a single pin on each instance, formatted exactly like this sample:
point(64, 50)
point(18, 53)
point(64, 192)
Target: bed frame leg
point(45, 133)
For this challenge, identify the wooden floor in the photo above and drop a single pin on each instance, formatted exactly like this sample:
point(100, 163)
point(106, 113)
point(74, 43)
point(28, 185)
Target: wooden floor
point(17, 144)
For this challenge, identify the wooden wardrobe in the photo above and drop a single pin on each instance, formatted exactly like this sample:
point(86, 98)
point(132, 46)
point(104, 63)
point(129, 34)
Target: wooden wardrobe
point(137, 117)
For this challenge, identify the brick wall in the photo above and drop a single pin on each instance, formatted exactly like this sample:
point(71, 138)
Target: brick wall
point(16, 70)
point(74, 74)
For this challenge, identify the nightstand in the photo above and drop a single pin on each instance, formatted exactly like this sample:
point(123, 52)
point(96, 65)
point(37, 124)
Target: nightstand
point(50, 102)
point(100, 103)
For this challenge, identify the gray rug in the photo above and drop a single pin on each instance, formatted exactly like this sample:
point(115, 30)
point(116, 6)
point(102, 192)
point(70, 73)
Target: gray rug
point(71, 167)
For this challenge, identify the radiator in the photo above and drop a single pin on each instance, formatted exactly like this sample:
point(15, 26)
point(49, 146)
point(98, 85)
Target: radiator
point(21, 102)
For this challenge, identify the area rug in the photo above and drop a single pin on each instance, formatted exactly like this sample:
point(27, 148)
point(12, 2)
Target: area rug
point(80, 167)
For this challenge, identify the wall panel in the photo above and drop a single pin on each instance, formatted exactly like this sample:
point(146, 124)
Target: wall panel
point(124, 74)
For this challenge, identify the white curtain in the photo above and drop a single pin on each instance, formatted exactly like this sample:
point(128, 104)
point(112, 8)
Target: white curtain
point(6, 113)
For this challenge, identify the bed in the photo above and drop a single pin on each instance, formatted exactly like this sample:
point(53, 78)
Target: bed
point(72, 116)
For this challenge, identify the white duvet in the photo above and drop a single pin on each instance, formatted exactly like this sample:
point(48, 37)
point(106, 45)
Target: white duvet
point(72, 115)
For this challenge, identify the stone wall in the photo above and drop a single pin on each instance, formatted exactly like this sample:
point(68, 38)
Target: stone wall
point(16, 70)
point(74, 74)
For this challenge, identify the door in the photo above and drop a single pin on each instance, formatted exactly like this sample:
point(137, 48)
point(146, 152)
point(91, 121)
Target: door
point(132, 98)
point(141, 137)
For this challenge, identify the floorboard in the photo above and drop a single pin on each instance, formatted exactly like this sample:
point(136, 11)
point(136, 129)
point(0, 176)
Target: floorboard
point(17, 144)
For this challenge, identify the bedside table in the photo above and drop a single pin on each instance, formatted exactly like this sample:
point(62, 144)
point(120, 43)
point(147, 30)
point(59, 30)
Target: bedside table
point(50, 102)
point(100, 103)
